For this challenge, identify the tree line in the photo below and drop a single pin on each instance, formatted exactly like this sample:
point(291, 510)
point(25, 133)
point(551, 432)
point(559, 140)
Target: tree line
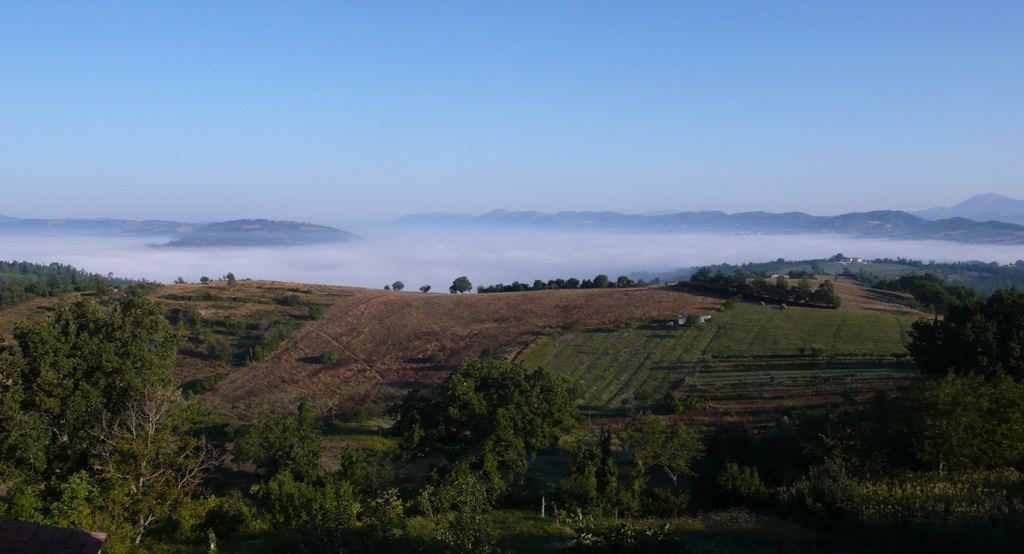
point(930, 292)
point(780, 290)
point(983, 277)
point(598, 282)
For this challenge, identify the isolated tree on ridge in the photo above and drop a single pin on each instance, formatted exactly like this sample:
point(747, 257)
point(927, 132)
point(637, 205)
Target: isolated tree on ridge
point(460, 285)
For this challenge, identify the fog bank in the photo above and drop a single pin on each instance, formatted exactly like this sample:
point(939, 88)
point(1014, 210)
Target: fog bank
point(436, 257)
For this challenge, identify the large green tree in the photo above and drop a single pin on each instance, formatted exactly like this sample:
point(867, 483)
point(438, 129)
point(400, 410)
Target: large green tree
point(974, 338)
point(826, 295)
point(592, 484)
point(82, 369)
point(460, 285)
point(91, 424)
point(490, 414)
point(803, 290)
point(971, 423)
point(654, 444)
point(291, 443)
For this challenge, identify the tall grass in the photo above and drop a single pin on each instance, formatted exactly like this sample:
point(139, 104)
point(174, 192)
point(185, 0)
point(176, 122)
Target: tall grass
point(982, 511)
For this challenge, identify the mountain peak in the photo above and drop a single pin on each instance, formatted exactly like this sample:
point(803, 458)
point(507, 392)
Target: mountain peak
point(986, 199)
point(981, 207)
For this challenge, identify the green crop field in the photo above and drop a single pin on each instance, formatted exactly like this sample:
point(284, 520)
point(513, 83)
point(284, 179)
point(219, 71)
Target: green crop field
point(753, 330)
point(749, 349)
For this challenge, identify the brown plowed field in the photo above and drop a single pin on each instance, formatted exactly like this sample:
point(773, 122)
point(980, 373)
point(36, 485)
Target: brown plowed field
point(383, 338)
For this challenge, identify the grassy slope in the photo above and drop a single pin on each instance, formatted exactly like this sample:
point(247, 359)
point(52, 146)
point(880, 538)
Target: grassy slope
point(752, 330)
point(749, 362)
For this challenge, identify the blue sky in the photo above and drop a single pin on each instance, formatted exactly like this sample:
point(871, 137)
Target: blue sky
point(349, 112)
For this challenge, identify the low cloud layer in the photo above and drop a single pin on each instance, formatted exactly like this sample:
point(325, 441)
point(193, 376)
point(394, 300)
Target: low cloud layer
point(418, 257)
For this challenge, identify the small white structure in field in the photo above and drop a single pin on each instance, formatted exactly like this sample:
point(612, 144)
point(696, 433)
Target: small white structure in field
point(682, 318)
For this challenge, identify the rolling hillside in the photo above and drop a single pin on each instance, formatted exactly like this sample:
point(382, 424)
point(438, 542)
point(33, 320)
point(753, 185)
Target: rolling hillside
point(254, 347)
point(382, 339)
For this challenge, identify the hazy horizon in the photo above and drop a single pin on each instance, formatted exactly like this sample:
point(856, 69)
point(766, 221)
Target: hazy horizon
point(438, 257)
point(357, 225)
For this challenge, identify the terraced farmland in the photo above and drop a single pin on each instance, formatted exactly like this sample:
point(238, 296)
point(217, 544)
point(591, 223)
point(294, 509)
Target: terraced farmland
point(743, 361)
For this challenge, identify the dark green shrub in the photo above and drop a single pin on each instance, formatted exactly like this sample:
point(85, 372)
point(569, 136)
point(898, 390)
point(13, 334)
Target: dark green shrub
point(290, 300)
point(742, 485)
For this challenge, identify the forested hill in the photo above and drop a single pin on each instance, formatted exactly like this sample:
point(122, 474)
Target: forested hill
point(241, 232)
point(261, 232)
point(23, 281)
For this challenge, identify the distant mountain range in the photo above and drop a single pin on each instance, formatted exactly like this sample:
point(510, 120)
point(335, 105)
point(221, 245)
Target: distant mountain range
point(982, 219)
point(241, 232)
point(888, 224)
